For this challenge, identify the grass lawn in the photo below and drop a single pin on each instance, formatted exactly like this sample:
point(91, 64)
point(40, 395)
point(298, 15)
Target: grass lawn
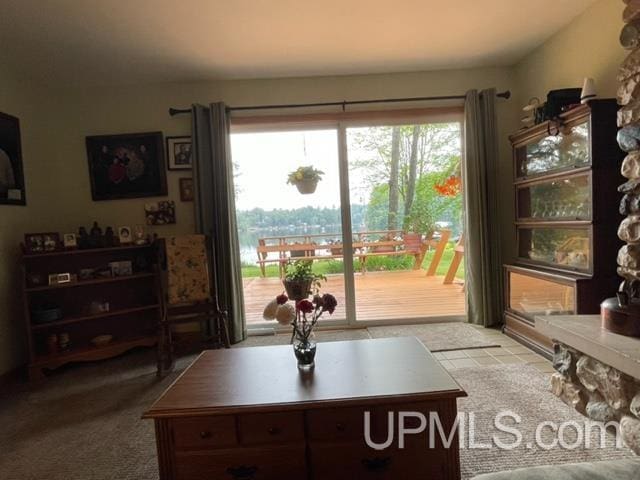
point(405, 262)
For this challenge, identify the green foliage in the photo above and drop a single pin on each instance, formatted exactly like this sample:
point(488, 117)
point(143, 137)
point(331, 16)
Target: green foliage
point(305, 173)
point(302, 271)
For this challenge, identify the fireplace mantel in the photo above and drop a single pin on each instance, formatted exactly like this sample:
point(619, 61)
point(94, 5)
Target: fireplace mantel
point(585, 334)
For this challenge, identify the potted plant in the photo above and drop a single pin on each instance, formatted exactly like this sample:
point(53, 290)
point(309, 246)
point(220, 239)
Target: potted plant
point(305, 179)
point(300, 281)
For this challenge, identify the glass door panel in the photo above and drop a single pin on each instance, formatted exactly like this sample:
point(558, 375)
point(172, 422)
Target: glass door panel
point(564, 247)
point(567, 198)
point(277, 224)
point(406, 215)
point(531, 296)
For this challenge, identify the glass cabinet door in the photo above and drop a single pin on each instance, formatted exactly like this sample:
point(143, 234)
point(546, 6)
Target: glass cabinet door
point(531, 296)
point(568, 149)
point(566, 198)
point(566, 247)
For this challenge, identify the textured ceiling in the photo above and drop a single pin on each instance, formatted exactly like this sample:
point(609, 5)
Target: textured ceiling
point(123, 42)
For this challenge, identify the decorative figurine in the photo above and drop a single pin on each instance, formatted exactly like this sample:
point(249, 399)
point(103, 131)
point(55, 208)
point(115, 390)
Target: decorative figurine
point(109, 237)
point(95, 236)
point(83, 238)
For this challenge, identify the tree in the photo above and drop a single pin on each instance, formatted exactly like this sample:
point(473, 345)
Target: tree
point(394, 172)
point(413, 169)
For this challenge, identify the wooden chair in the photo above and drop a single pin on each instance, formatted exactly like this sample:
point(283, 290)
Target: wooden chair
point(189, 297)
point(458, 255)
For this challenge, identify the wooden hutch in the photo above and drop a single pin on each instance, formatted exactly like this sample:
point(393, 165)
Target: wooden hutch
point(63, 319)
point(566, 202)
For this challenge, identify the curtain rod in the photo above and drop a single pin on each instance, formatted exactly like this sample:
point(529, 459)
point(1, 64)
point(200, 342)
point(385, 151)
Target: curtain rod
point(177, 111)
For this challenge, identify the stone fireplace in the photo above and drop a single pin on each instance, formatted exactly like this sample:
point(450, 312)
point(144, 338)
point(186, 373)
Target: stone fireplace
point(597, 372)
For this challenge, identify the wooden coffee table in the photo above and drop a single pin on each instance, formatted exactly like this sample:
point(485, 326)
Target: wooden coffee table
point(249, 413)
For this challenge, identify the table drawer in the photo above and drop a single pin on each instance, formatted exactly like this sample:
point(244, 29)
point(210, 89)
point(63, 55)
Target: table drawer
point(204, 432)
point(261, 428)
point(336, 423)
point(273, 463)
point(355, 462)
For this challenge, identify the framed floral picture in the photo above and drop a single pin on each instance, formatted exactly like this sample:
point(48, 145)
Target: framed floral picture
point(179, 153)
point(186, 189)
point(126, 166)
point(12, 189)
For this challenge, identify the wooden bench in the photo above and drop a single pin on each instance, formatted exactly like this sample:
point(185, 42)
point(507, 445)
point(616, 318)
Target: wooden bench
point(409, 244)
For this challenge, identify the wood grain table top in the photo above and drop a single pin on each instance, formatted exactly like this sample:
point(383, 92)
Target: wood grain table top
point(262, 379)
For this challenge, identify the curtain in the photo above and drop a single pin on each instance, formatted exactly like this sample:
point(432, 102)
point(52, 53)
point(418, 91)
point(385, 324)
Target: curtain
point(482, 228)
point(215, 209)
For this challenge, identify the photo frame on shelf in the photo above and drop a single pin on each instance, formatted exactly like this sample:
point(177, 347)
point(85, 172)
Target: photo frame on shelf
point(179, 153)
point(41, 242)
point(126, 166)
point(12, 186)
point(69, 241)
point(125, 236)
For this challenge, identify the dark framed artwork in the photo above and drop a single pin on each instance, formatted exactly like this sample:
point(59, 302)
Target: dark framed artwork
point(42, 242)
point(179, 153)
point(12, 188)
point(186, 189)
point(126, 166)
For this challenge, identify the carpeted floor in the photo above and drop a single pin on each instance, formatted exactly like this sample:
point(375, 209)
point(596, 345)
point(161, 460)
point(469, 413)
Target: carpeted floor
point(84, 423)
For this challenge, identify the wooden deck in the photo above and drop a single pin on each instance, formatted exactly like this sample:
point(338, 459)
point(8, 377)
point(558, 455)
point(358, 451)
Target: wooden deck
point(379, 295)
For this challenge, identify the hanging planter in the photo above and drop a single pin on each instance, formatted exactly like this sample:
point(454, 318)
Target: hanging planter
point(305, 179)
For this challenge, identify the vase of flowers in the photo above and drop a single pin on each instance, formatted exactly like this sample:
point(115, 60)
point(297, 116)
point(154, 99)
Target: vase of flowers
point(307, 315)
point(305, 179)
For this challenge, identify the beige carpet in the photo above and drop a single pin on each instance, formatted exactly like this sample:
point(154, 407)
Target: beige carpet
point(523, 390)
point(438, 337)
point(84, 422)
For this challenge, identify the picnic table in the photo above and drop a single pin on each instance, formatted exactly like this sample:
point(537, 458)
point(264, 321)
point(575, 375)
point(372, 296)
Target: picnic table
point(391, 243)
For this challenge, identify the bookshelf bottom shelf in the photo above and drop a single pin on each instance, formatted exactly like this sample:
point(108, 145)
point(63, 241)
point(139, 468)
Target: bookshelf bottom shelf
point(88, 354)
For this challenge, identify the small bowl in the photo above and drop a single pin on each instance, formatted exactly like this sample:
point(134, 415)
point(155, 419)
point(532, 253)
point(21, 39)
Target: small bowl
point(101, 340)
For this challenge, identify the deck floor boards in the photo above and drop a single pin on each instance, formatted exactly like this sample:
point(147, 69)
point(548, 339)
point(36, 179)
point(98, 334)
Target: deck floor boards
point(379, 295)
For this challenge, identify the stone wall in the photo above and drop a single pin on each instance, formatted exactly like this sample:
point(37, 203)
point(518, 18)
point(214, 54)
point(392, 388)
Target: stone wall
point(598, 391)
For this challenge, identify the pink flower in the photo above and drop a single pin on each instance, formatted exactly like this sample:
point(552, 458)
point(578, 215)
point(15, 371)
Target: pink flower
point(305, 306)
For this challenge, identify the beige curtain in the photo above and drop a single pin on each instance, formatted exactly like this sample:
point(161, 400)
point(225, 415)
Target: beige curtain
point(482, 232)
point(216, 210)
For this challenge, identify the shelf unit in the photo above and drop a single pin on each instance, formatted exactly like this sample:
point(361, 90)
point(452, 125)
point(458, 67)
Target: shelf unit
point(134, 305)
point(566, 175)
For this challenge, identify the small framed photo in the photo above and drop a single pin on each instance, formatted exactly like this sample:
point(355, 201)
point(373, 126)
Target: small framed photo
point(41, 242)
point(186, 189)
point(69, 241)
point(59, 278)
point(179, 153)
point(124, 235)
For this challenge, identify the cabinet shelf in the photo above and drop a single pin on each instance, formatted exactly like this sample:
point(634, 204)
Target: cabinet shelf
point(84, 318)
point(86, 251)
point(96, 281)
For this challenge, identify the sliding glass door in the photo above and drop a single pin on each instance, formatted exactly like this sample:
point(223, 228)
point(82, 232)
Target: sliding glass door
point(277, 224)
point(383, 227)
point(406, 217)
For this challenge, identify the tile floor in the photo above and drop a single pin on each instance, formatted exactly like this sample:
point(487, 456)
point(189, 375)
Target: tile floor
point(509, 352)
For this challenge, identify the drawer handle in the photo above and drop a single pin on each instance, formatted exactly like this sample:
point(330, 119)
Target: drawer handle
point(205, 434)
point(273, 430)
point(377, 464)
point(242, 472)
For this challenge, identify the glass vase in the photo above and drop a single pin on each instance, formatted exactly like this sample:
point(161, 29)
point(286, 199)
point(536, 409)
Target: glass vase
point(305, 351)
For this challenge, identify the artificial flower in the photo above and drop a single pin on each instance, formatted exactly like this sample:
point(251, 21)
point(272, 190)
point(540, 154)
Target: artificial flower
point(285, 314)
point(282, 299)
point(305, 306)
point(270, 310)
point(329, 303)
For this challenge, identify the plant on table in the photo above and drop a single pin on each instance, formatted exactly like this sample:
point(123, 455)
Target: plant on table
point(305, 179)
point(300, 281)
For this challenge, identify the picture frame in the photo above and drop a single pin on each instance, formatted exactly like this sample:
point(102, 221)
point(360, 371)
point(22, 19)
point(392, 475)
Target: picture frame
point(130, 165)
point(186, 189)
point(41, 242)
point(70, 241)
point(179, 155)
point(160, 213)
point(12, 184)
point(59, 278)
point(125, 236)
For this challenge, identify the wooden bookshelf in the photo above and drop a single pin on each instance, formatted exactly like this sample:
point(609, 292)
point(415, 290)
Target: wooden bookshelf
point(132, 317)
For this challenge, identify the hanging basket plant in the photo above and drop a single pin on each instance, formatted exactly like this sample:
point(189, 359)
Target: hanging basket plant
point(305, 179)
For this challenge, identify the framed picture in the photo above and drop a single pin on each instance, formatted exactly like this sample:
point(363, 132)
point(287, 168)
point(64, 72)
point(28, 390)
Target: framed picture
point(12, 189)
point(126, 166)
point(42, 242)
point(69, 240)
point(186, 189)
point(124, 235)
point(179, 153)
point(160, 213)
